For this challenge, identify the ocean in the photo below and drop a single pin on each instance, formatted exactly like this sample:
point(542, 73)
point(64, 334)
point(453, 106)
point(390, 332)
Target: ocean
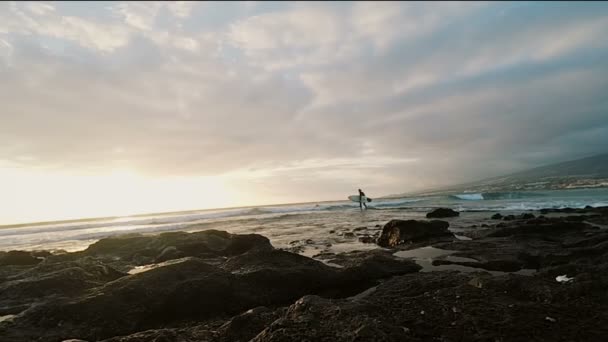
point(309, 229)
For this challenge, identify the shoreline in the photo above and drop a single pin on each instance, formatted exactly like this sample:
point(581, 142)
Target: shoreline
point(216, 286)
point(182, 212)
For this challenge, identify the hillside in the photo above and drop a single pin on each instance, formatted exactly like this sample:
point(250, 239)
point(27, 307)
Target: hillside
point(590, 172)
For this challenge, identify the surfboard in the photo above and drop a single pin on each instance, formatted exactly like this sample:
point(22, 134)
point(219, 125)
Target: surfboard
point(356, 198)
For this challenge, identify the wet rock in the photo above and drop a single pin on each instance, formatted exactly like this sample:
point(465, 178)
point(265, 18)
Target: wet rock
point(349, 235)
point(509, 218)
point(373, 265)
point(169, 253)
point(549, 227)
point(367, 239)
point(493, 265)
point(496, 216)
point(456, 308)
point(396, 232)
point(442, 212)
point(247, 325)
point(54, 280)
point(359, 229)
point(209, 243)
point(484, 226)
point(185, 288)
point(20, 258)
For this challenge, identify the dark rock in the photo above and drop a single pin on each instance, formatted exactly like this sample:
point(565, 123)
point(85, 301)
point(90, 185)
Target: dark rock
point(349, 235)
point(550, 228)
point(41, 254)
point(179, 289)
point(509, 218)
point(484, 226)
point(496, 216)
point(359, 229)
point(396, 232)
point(18, 258)
point(378, 226)
point(453, 310)
point(247, 325)
point(526, 216)
point(332, 231)
point(442, 212)
point(493, 265)
point(55, 279)
point(208, 243)
point(587, 209)
point(367, 239)
point(169, 253)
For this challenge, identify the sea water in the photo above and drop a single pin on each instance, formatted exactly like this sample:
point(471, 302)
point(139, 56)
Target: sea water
point(309, 229)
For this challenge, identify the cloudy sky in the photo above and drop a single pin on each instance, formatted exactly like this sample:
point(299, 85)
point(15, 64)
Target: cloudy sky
point(117, 108)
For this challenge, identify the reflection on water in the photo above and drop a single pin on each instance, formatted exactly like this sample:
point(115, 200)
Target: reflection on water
point(424, 257)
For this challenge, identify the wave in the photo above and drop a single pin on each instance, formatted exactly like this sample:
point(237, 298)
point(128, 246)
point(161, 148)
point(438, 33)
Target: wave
point(493, 196)
point(468, 197)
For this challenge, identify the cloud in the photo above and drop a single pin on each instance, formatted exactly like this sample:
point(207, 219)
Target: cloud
point(304, 98)
point(140, 15)
point(181, 9)
point(43, 21)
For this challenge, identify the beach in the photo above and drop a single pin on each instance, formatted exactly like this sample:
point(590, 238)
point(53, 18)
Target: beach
point(481, 270)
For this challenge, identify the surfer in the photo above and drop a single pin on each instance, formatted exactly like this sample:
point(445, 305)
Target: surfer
point(362, 200)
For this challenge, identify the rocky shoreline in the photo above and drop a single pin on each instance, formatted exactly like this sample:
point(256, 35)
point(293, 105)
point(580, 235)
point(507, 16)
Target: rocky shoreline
point(525, 277)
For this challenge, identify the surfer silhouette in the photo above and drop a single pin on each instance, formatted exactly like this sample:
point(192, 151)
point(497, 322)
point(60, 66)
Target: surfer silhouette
point(361, 200)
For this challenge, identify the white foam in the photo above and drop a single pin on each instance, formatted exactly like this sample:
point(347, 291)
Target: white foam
point(470, 197)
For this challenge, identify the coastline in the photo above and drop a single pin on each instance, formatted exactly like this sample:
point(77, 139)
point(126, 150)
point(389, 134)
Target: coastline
point(212, 285)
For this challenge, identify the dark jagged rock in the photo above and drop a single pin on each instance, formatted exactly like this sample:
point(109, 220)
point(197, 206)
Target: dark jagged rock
point(367, 239)
point(444, 306)
point(509, 218)
point(49, 279)
point(189, 289)
point(396, 232)
point(496, 216)
point(166, 246)
point(182, 288)
point(240, 296)
point(169, 253)
point(549, 227)
point(493, 265)
point(18, 258)
point(442, 212)
point(588, 209)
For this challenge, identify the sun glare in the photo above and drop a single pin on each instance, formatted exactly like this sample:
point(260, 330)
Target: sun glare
point(57, 196)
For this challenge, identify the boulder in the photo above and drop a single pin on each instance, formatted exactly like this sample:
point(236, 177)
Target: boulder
point(20, 258)
point(496, 216)
point(396, 232)
point(442, 212)
point(142, 249)
point(179, 289)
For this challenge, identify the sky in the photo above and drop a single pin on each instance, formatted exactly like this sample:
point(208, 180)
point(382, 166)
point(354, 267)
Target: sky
point(117, 108)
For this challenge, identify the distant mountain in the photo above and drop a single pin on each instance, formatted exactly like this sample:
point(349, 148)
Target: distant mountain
point(591, 172)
